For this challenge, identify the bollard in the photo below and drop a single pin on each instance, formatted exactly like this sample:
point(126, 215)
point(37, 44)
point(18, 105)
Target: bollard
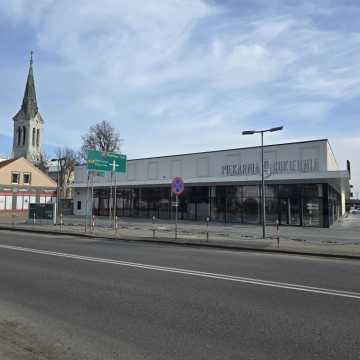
point(61, 222)
point(207, 228)
point(277, 234)
point(93, 223)
point(116, 224)
point(13, 219)
point(153, 229)
point(34, 220)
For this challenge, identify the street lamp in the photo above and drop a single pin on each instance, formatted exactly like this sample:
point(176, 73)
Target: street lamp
point(251, 132)
point(58, 187)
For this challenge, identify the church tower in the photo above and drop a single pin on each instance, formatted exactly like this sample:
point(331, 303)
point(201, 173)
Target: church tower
point(28, 123)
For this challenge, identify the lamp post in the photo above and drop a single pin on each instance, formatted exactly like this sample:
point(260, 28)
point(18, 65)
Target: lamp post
point(251, 132)
point(58, 186)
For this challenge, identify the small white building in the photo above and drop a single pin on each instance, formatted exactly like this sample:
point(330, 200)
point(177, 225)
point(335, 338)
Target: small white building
point(304, 186)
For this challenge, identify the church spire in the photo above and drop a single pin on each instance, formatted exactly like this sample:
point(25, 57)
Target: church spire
point(28, 123)
point(29, 104)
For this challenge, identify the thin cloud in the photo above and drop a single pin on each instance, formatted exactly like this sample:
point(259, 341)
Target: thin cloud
point(175, 66)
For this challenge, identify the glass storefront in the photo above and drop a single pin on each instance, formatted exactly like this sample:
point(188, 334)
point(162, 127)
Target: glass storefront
point(290, 204)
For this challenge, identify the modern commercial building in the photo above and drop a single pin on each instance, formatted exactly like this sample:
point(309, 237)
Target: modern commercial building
point(22, 183)
point(304, 186)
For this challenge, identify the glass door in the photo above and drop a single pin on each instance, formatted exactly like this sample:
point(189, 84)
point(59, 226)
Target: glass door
point(283, 212)
point(289, 211)
point(294, 211)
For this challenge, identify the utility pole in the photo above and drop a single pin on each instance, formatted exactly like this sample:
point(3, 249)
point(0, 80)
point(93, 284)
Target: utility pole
point(58, 187)
point(263, 206)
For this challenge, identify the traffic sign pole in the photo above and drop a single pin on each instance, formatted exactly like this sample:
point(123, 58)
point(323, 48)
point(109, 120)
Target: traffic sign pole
point(177, 188)
point(176, 216)
point(92, 195)
point(104, 162)
point(115, 203)
point(87, 200)
point(110, 197)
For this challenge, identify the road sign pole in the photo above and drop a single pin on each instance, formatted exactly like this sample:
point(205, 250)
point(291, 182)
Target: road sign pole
point(115, 202)
point(263, 189)
point(177, 188)
point(57, 191)
point(176, 216)
point(111, 195)
point(86, 201)
point(104, 163)
point(92, 195)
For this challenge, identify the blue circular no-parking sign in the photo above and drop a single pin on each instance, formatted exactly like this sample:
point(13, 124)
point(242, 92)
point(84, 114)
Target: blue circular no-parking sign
point(177, 185)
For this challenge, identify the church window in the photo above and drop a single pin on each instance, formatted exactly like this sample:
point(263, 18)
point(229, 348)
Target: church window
point(33, 137)
point(18, 136)
point(37, 137)
point(24, 135)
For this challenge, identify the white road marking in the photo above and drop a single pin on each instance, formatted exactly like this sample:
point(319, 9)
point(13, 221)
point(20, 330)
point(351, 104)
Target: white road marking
point(254, 281)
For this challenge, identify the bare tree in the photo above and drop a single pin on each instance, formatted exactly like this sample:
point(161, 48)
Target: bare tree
point(43, 163)
point(101, 136)
point(67, 162)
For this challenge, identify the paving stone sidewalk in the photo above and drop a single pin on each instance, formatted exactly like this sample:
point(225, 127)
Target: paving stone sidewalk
point(341, 239)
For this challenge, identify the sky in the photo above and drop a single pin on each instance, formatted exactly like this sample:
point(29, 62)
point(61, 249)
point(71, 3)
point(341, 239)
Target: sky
point(178, 76)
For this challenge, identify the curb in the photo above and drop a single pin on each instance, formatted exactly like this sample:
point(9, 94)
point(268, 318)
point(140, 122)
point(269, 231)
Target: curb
point(169, 241)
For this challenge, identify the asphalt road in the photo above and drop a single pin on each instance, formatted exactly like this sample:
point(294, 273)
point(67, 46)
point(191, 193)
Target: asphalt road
point(73, 298)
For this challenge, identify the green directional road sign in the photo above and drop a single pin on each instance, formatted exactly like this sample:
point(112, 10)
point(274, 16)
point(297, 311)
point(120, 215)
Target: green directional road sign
point(117, 162)
point(101, 161)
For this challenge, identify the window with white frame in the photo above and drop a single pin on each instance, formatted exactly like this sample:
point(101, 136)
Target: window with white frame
point(27, 178)
point(15, 178)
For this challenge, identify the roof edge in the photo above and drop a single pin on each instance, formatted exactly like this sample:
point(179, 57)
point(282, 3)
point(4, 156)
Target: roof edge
point(231, 149)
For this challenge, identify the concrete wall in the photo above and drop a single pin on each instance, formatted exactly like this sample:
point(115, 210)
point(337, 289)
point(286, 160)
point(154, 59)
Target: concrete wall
point(244, 164)
point(343, 202)
point(80, 196)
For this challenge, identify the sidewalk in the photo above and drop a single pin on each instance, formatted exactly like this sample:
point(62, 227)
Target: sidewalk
point(345, 232)
point(342, 239)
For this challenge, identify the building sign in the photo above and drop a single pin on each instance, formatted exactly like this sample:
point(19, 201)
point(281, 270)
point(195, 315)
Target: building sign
point(272, 167)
